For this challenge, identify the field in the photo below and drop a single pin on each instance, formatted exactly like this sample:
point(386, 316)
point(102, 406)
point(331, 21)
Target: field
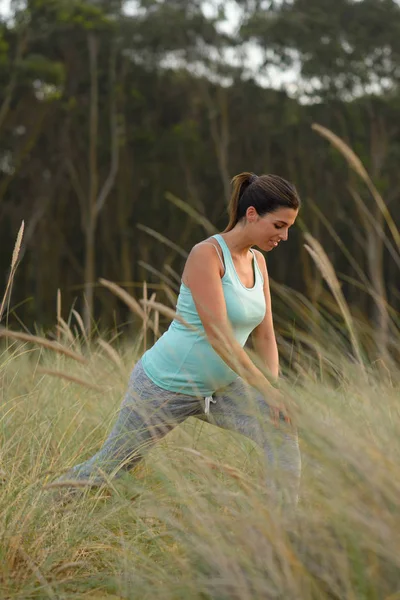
point(192, 520)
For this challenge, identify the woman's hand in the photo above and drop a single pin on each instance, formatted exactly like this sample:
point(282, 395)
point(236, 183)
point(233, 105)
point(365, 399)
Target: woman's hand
point(275, 401)
point(279, 409)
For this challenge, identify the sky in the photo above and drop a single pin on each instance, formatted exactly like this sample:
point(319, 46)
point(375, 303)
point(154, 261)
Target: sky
point(4, 6)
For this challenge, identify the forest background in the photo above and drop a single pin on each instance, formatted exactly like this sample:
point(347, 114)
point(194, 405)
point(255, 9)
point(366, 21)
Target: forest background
point(122, 121)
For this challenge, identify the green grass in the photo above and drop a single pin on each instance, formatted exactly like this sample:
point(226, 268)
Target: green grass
point(192, 521)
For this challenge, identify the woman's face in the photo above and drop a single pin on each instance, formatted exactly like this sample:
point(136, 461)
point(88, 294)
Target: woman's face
point(271, 229)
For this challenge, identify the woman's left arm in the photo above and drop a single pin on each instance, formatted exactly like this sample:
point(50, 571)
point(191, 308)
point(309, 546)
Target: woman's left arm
point(263, 336)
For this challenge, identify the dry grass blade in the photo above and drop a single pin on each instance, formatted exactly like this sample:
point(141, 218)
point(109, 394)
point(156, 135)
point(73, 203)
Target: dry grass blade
point(146, 313)
point(36, 571)
point(346, 252)
point(347, 152)
point(68, 566)
point(58, 313)
point(81, 325)
point(208, 226)
point(230, 471)
point(128, 299)
point(173, 273)
point(111, 353)
point(71, 378)
point(325, 266)
point(168, 312)
point(63, 327)
point(34, 339)
point(372, 223)
point(395, 596)
point(156, 316)
point(157, 323)
point(14, 264)
point(163, 240)
point(17, 247)
point(158, 273)
point(356, 164)
point(172, 297)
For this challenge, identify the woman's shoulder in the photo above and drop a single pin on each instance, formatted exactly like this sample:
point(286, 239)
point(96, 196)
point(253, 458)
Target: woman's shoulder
point(204, 253)
point(204, 247)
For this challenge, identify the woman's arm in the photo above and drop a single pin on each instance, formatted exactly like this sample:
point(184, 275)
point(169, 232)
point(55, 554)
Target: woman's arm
point(264, 335)
point(202, 274)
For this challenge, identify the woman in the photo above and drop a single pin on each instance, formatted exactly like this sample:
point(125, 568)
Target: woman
point(199, 366)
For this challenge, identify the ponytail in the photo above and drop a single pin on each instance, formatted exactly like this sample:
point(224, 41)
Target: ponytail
point(240, 183)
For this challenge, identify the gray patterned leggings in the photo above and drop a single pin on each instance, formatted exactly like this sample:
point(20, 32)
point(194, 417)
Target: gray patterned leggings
point(149, 412)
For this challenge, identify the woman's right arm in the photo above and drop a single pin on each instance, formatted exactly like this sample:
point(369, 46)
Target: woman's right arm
point(202, 275)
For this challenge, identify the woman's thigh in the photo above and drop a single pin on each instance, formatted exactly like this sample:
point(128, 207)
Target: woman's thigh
point(243, 409)
point(152, 410)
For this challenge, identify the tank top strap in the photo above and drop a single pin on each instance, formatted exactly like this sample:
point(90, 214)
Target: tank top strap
point(225, 251)
point(257, 270)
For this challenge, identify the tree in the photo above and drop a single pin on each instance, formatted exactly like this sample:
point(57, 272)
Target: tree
point(344, 48)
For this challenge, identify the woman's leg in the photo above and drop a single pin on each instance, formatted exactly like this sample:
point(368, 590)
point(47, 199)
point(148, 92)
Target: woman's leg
point(147, 414)
point(243, 409)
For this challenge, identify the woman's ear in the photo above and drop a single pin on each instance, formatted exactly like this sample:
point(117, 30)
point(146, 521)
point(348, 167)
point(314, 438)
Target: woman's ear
point(251, 214)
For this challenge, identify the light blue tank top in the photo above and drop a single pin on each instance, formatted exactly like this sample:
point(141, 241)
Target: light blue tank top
point(183, 360)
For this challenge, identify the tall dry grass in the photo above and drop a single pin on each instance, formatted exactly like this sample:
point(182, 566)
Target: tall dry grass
point(193, 520)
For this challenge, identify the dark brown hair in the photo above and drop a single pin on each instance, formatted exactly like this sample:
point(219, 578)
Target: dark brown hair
point(266, 193)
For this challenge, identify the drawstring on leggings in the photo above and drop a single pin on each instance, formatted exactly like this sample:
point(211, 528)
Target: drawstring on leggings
point(207, 401)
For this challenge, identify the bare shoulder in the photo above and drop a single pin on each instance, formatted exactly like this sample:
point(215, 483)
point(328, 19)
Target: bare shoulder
point(202, 258)
point(203, 249)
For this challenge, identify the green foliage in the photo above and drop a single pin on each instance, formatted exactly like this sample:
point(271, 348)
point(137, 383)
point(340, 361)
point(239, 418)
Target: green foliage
point(38, 66)
point(343, 47)
point(69, 13)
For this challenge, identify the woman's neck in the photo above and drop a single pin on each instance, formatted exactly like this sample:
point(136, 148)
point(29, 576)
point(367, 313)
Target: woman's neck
point(237, 241)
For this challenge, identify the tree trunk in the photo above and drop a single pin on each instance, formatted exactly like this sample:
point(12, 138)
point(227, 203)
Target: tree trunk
point(90, 257)
point(90, 229)
point(218, 114)
point(98, 197)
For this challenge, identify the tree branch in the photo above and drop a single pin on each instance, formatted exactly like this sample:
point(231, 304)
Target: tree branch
point(94, 116)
